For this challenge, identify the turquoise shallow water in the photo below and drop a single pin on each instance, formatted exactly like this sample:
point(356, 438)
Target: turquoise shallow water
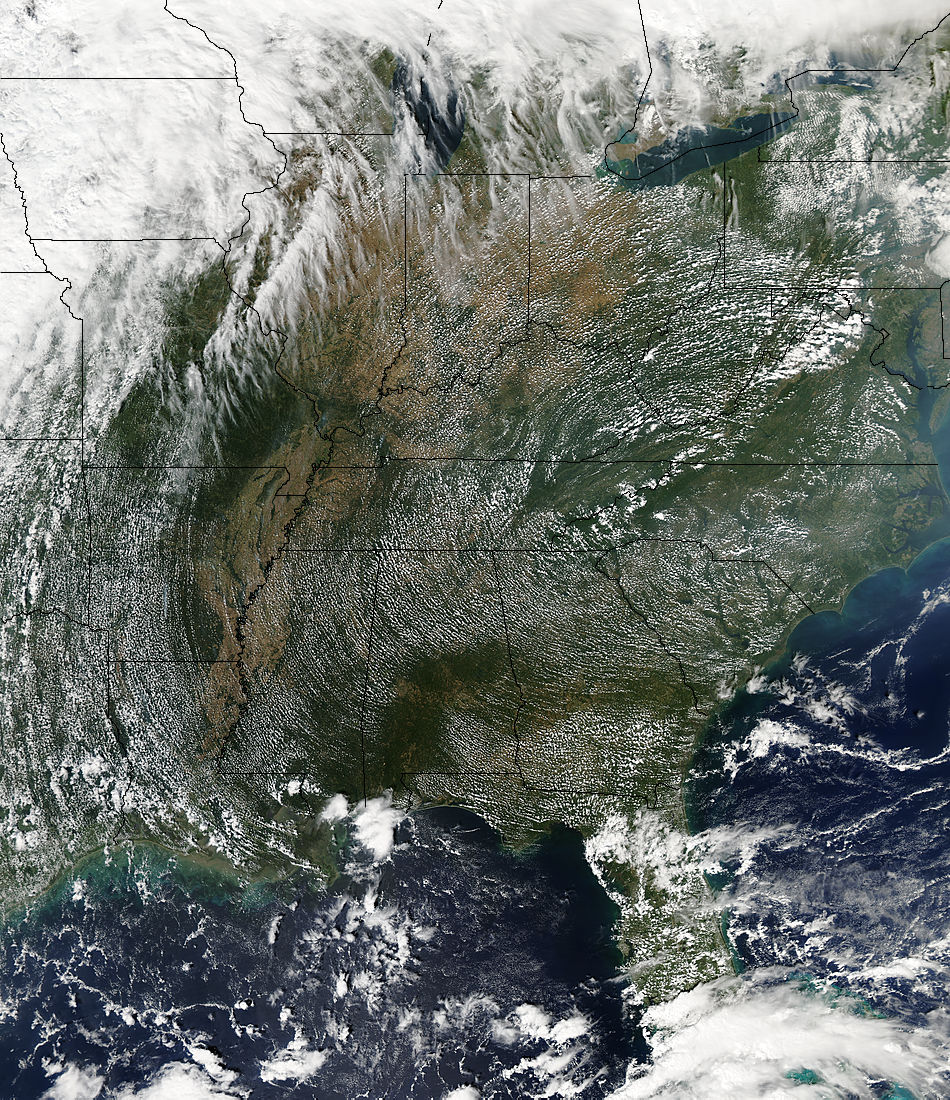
point(696, 148)
point(825, 795)
point(455, 963)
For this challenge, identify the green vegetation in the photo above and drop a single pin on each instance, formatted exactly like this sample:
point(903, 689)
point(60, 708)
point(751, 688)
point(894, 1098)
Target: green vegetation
point(143, 431)
point(542, 553)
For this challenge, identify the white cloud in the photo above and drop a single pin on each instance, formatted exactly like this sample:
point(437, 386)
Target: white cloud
point(178, 1081)
point(743, 1037)
point(375, 824)
point(74, 1083)
point(335, 810)
point(296, 1062)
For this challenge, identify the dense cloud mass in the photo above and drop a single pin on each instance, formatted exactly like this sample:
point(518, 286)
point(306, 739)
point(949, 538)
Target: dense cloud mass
point(337, 481)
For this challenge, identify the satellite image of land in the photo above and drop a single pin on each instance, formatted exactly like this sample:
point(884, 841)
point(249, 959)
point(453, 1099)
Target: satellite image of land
point(475, 567)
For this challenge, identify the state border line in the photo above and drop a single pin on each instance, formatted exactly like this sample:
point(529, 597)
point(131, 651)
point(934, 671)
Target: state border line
point(136, 78)
point(121, 240)
point(651, 801)
point(858, 290)
point(728, 287)
point(490, 460)
point(367, 672)
point(303, 775)
point(600, 552)
point(794, 115)
point(612, 462)
point(867, 162)
point(699, 462)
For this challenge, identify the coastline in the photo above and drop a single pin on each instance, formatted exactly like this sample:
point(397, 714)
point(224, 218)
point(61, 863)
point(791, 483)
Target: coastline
point(805, 635)
point(209, 871)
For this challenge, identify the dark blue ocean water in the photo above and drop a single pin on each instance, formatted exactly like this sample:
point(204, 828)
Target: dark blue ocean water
point(455, 963)
point(828, 793)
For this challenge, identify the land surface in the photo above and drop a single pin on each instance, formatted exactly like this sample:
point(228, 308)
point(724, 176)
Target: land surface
point(500, 518)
